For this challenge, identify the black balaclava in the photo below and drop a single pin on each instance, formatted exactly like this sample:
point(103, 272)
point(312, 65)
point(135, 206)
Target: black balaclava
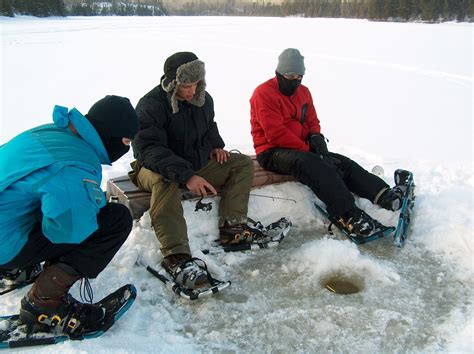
point(290, 62)
point(287, 87)
point(114, 118)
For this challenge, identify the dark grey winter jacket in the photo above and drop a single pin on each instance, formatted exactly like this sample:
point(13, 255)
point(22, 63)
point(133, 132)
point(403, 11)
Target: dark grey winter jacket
point(175, 145)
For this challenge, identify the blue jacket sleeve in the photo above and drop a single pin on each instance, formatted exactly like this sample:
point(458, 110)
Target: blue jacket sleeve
point(70, 202)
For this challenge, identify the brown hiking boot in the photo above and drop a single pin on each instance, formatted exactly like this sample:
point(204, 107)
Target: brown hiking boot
point(186, 271)
point(231, 235)
point(48, 307)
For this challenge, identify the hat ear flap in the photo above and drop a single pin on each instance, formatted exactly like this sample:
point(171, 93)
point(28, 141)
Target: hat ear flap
point(168, 84)
point(171, 88)
point(173, 100)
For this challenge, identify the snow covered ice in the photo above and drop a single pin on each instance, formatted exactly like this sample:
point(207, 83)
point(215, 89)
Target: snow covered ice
point(396, 95)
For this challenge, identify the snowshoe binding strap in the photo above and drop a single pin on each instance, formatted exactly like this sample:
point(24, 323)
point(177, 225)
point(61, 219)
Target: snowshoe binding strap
point(72, 318)
point(192, 274)
point(18, 278)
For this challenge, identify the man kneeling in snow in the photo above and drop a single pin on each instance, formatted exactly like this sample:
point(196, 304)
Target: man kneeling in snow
point(52, 209)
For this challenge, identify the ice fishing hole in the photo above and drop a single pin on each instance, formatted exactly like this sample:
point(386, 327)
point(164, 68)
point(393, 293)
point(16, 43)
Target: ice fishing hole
point(344, 284)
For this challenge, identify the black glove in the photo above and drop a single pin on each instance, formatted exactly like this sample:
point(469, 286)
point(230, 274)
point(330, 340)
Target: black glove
point(317, 144)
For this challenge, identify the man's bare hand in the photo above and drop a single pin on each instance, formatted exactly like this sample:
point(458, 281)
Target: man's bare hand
point(199, 186)
point(220, 155)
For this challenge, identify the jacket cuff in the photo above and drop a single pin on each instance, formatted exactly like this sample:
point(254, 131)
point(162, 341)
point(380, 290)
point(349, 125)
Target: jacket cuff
point(184, 178)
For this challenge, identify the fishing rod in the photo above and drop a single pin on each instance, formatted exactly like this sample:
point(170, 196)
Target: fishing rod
point(272, 197)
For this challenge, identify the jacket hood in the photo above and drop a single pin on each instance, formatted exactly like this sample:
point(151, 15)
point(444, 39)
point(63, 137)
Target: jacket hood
point(62, 117)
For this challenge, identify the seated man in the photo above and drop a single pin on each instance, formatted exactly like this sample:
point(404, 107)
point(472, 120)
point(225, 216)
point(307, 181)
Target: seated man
point(287, 140)
point(52, 209)
point(178, 145)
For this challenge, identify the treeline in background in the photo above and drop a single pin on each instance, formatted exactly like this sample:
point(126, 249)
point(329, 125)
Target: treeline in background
point(45, 8)
point(380, 10)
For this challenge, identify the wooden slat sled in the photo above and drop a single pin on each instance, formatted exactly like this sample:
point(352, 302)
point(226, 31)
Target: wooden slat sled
point(123, 191)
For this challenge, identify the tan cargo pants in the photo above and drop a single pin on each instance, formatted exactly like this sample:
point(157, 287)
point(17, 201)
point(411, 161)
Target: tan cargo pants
point(232, 179)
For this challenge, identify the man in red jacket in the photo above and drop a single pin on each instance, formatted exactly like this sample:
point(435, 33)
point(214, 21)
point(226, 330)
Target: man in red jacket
point(287, 140)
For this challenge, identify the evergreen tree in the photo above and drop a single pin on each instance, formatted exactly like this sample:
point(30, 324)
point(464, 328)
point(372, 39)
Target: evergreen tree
point(59, 8)
point(431, 10)
point(6, 8)
point(417, 6)
point(375, 9)
point(405, 9)
point(20, 7)
point(390, 8)
point(361, 10)
point(463, 9)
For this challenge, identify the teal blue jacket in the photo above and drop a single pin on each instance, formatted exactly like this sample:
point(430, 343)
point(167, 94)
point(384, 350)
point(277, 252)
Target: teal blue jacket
point(50, 175)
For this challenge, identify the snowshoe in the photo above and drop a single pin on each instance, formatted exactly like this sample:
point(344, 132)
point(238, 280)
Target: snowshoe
point(18, 278)
point(70, 317)
point(14, 333)
point(186, 279)
point(359, 227)
point(253, 236)
point(185, 270)
point(405, 182)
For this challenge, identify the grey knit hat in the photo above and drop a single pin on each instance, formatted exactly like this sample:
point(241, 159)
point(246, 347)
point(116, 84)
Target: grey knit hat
point(180, 69)
point(290, 62)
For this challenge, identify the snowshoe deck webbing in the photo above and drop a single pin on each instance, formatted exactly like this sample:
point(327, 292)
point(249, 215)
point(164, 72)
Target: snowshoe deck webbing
point(14, 335)
point(381, 231)
point(275, 233)
point(404, 179)
point(190, 294)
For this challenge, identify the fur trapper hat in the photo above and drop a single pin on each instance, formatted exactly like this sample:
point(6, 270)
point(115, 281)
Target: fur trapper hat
point(184, 68)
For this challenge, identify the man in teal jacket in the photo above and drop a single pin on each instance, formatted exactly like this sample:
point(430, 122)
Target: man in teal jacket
point(52, 209)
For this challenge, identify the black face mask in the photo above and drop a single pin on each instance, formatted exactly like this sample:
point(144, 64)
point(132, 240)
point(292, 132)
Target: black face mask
point(116, 148)
point(287, 87)
point(113, 117)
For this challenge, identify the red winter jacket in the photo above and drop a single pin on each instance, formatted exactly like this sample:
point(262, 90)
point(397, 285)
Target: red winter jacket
point(276, 118)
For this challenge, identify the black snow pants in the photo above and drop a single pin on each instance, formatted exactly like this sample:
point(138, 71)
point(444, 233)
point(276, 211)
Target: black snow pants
point(88, 258)
point(331, 178)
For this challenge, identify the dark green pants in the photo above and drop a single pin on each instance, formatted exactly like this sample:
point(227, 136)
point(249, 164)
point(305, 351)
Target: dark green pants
point(233, 179)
